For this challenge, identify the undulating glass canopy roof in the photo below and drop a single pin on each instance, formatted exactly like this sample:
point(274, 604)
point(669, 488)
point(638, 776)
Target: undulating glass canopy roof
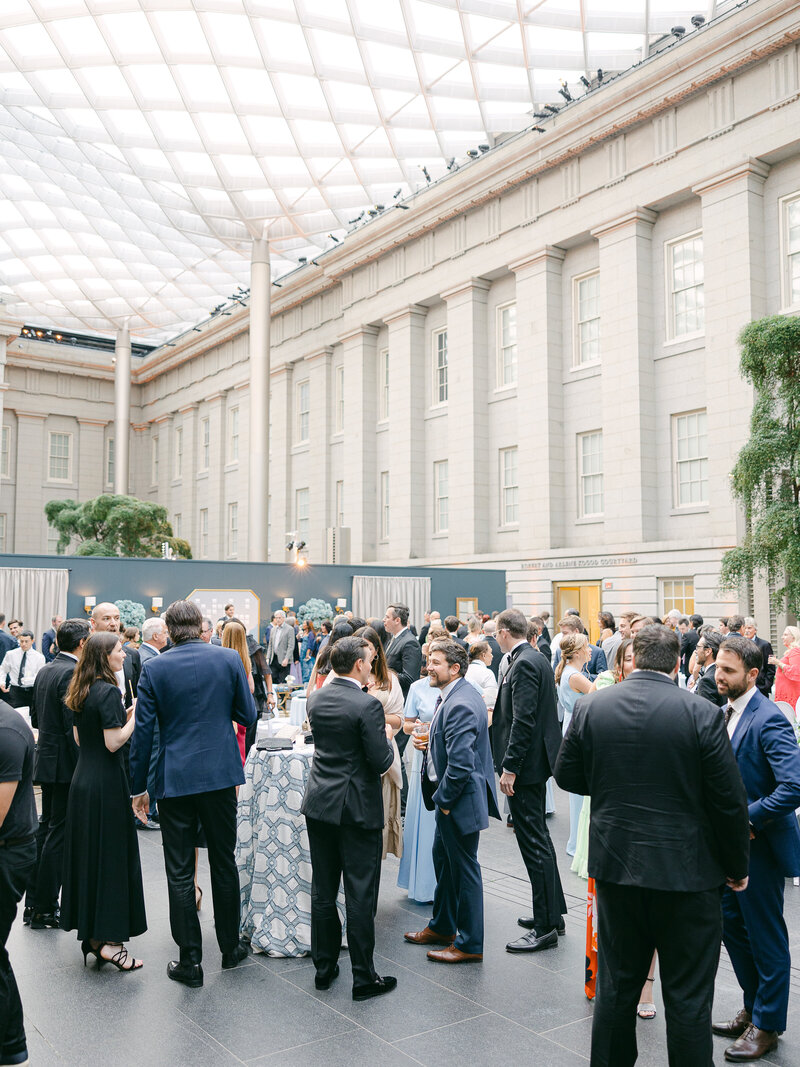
point(146, 142)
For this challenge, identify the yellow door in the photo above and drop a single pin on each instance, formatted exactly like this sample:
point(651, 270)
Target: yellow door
point(584, 597)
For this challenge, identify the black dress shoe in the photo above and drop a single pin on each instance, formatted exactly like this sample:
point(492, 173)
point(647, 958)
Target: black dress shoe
point(531, 943)
point(375, 989)
point(529, 923)
point(190, 974)
point(45, 920)
point(733, 1027)
point(324, 983)
point(232, 959)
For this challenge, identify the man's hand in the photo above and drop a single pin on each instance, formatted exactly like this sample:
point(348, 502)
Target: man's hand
point(737, 886)
point(285, 663)
point(507, 780)
point(141, 807)
point(420, 743)
point(389, 732)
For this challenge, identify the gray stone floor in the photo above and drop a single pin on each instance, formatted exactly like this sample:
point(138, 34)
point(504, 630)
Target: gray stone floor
point(515, 1009)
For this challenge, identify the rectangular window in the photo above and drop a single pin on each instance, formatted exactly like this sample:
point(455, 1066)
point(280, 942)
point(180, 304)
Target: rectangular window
point(384, 505)
point(205, 444)
point(233, 435)
point(177, 525)
point(338, 400)
point(110, 461)
point(509, 487)
point(5, 452)
point(154, 461)
point(690, 444)
point(383, 385)
point(3, 519)
point(203, 532)
point(441, 496)
point(506, 346)
point(339, 504)
point(53, 537)
point(60, 457)
point(590, 465)
point(179, 452)
point(791, 240)
point(440, 367)
point(233, 529)
point(303, 410)
point(686, 316)
point(301, 505)
point(586, 304)
point(677, 594)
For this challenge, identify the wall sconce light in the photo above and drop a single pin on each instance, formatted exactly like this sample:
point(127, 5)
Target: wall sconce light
point(88, 603)
point(288, 602)
point(341, 604)
point(158, 603)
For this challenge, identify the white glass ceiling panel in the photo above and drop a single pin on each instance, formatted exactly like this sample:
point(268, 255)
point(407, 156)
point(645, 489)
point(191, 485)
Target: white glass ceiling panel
point(147, 142)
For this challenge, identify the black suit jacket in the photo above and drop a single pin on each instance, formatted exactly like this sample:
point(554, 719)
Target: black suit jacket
point(497, 654)
point(688, 645)
point(350, 755)
point(525, 729)
point(544, 648)
point(669, 810)
point(707, 687)
point(56, 751)
point(132, 668)
point(766, 676)
point(423, 634)
point(404, 657)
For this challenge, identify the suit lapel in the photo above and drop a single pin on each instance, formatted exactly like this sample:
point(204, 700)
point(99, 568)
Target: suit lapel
point(438, 719)
point(745, 719)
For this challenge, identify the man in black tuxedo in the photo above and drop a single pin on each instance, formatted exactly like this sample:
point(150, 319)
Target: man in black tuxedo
point(53, 767)
point(766, 676)
point(343, 806)
point(706, 655)
point(536, 640)
point(689, 631)
point(525, 741)
point(669, 828)
point(489, 629)
point(404, 657)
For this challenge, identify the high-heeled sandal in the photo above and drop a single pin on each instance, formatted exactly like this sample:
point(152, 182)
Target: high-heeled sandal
point(198, 897)
point(88, 950)
point(646, 1010)
point(119, 959)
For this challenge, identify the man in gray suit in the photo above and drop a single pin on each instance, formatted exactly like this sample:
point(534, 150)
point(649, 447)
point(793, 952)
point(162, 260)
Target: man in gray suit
point(280, 648)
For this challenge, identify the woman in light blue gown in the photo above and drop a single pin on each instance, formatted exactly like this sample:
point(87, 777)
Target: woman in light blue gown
point(416, 866)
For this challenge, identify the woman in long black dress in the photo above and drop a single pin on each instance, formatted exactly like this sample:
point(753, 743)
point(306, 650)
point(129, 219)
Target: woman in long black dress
point(102, 896)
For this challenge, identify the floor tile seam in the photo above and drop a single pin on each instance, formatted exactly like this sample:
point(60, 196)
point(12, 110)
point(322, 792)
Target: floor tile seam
point(194, 1027)
point(32, 1026)
point(562, 1026)
point(444, 1026)
point(267, 1056)
point(566, 1048)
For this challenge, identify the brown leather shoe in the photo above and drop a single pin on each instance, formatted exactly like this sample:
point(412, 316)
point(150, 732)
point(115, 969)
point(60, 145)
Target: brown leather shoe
point(752, 1045)
point(430, 937)
point(454, 955)
point(733, 1027)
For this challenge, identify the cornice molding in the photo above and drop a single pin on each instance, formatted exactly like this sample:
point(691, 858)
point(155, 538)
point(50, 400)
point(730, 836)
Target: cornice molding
point(639, 216)
point(549, 253)
point(751, 170)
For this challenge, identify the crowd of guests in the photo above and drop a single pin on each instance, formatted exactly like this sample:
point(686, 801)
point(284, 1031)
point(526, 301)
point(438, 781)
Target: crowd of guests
point(683, 776)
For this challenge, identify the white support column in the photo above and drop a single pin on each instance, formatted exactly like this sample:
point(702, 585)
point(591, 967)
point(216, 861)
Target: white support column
point(318, 460)
point(628, 410)
point(258, 451)
point(540, 360)
point(407, 349)
point(122, 410)
point(361, 489)
point(467, 421)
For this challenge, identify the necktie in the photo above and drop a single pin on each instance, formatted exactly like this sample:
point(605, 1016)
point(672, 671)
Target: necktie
point(427, 750)
point(22, 668)
point(729, 710)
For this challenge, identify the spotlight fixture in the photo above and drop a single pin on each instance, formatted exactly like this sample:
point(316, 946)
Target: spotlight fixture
point(451, 163)
point(541, 114)
point(428, 178)
point(473, 153)
point(403, 207)
point(484, 147)
point(539, 129)
point(600, 75)
point(698, 21)
point(290, 546)
point(277, 285)
point(315, 262)
point(358, 218)
point(678, 31)
point(397, 193)
point(585, 81)
point(551, 108)
point(302, 260)
point(300, 545)
point(336, 239)
point(564, 91)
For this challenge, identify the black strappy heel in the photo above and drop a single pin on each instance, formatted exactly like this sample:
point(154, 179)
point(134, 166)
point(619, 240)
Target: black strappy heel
point(119, 959)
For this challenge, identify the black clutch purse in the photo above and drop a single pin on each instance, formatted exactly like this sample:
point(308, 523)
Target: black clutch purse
point(274, 744)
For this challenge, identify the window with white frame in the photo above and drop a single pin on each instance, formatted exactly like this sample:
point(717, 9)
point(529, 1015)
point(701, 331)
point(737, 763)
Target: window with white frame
point(339, 504)
point(384, 505)
point(338, 400)
point(441, 496)
point(686, 312)
point(440, 367)
point(586, 305)
point(203, 532)
point(509, 487)
point(690, 446)
point(303, 410)
point(177, 525)
point(205, 444)
point(677, 594)
point(60, 453)
point(791, 248)
point(590, 466)
point(383, 385)
point(233, 529)
point(179, 452)
point(301, 513)
point(233, 435)
point(53, 537)
point(3, 523)
point(154, 460)
point(506, 346)
point(110, 459)
point(5, 453)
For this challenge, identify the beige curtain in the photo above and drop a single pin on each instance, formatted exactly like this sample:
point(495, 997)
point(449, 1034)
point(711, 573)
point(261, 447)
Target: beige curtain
point(372, 594)
point(34, 595)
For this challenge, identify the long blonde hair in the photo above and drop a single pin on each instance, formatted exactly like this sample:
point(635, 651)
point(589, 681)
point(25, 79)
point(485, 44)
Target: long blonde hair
point(235, 637)
point(571, 645)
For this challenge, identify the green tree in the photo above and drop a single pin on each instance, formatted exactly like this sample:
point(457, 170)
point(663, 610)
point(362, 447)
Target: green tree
point(766, 478)
point(114, 526)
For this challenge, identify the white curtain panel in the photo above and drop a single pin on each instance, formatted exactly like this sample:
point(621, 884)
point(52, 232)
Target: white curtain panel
point(34, 595)
point(372, 595)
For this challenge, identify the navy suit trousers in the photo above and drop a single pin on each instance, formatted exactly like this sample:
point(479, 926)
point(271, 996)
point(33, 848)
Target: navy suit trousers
point(458, 899)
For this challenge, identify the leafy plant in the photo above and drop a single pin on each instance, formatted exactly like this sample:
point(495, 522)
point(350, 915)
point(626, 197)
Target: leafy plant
point(316, 610)
point(112, 525)
point(131, 613)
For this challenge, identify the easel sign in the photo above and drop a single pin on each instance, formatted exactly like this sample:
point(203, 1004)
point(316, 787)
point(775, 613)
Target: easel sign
point(246, 605)
point(466, 606)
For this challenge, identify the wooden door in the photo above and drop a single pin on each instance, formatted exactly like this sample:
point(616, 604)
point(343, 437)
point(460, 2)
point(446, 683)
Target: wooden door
point(583, 597)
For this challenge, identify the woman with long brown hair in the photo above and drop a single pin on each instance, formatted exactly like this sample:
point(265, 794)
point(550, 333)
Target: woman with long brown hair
point(234, 636)
point(102, 896)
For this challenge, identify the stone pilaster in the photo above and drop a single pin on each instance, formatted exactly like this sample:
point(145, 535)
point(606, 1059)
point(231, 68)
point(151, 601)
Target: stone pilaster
point(361, 489)
point(281, 490)
point(318, 461)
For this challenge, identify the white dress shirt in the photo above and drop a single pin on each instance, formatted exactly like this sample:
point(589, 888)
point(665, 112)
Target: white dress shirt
point(738, 705)
point(12, 662)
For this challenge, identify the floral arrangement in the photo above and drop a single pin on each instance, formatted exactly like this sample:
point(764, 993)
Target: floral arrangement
point(316, 610)
point(131, 613)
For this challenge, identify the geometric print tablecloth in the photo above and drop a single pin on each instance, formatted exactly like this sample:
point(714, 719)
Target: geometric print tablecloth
point(272, 853)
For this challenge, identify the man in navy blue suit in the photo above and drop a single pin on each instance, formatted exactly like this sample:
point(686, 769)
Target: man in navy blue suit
point(753, 928)
point(458, 781)
point(194, 692)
